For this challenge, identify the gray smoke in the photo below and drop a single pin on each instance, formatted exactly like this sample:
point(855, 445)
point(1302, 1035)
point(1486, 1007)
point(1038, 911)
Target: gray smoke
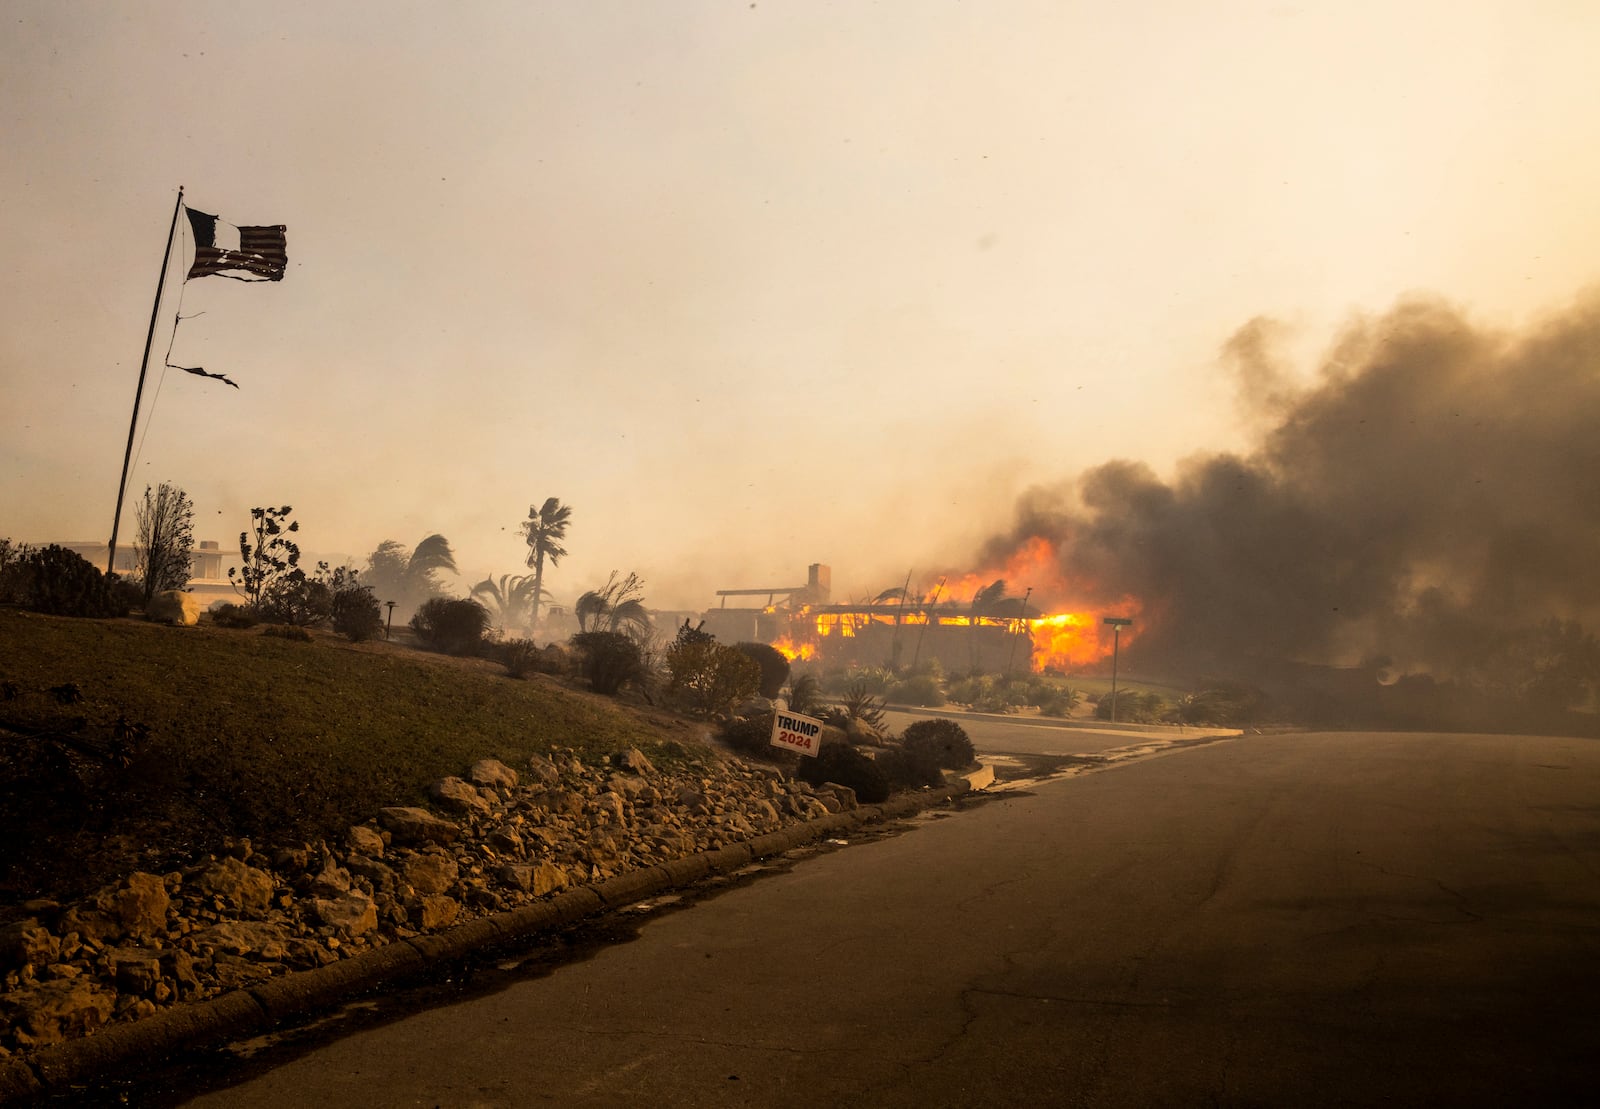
point(1436, 485)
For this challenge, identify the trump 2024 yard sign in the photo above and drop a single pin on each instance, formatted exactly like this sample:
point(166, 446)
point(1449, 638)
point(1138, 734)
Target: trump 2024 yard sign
point(794, 732)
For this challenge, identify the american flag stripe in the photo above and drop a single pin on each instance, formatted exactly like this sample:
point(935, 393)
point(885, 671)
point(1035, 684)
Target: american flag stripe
point(263, 252)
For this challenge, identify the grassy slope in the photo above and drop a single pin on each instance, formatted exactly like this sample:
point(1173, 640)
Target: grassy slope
point(251, 735)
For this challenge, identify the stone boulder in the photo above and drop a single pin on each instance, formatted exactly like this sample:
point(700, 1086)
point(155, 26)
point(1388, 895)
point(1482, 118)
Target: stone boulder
point(633, 760)
point(544, 770)
point(379, 875)
point(412, 826)
point(430, 874)
point(136, 969)
point(173, 606)
point(50, 1012)
point(244, 937)
point(27, 942)
point(237, 885)
point(355, 914)
point(333, 881)
point(438, 912)
point(458, 795)
point(365, 841)
point(493, 773)
point(135, 907)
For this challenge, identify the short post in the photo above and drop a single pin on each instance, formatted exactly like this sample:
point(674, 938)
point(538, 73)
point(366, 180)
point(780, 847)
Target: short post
point(390, 623)
point(1116, 623)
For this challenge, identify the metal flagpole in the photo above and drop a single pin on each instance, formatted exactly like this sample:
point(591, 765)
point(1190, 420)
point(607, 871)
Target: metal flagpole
point(144, 366)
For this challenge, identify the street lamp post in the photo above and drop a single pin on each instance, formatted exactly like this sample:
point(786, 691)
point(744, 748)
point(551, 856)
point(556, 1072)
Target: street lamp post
point(1116, 624)
point(390, 624)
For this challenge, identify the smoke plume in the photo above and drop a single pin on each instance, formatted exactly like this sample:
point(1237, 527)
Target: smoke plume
point(1433, 486)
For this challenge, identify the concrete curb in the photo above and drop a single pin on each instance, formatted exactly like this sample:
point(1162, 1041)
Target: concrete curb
point(1064, 723)
point(257, 1008)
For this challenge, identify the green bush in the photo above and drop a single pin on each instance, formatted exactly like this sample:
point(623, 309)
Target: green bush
point(842, 763)
point(292, 632)
point(296, 600)
point(1056, 700)
point(1221, 703)
point(874, 679)
point(708, 677)
point(125, 594)
point(64, 583)
point(610, 660)
point(988, 693)
point(229, 615)
point(773, 666)
point(356, 614)
point(919, 689)
point(15, 577)
point(451, 624)
point(1133, 707)
point(945, 741)
point(520, 657)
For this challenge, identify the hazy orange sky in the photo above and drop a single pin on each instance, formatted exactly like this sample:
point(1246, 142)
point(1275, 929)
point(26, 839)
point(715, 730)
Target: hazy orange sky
point(749, 286)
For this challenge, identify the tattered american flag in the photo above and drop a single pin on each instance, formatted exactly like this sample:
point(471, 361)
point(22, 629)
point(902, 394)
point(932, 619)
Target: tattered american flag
point(242, 253)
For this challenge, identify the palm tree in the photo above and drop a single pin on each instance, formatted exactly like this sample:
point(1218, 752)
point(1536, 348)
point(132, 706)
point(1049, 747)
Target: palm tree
point(545, 529)
point(617, 606)
point(408, 577)
point(511, 596)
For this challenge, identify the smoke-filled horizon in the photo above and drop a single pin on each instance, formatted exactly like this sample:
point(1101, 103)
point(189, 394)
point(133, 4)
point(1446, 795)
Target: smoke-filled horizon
point(1434, 486)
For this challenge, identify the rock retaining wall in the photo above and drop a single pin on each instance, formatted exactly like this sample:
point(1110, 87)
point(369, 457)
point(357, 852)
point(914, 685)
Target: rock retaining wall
point(511, 850)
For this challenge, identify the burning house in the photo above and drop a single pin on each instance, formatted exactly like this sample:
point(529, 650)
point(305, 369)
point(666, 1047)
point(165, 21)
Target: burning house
point(966, 623)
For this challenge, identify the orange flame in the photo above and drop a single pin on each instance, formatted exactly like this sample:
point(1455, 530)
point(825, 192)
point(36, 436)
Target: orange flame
point(792, 650)
point(1061, 618)
point(1064, 642)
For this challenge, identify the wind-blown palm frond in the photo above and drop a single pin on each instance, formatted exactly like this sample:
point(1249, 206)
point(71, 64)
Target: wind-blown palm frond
point(409, 578)
point(511, 597)
point(988, 597)
point(590, 610)
point(433, 553)
point(615, 606)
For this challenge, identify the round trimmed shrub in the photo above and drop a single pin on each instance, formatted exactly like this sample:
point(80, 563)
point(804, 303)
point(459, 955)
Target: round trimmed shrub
point(774, 667)
point(453, 625)
point(945, 742)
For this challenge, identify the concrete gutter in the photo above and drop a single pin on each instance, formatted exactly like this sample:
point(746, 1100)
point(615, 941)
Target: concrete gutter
point(257, 1008)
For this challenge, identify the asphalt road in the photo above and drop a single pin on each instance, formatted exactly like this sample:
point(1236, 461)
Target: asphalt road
point(1299, 920)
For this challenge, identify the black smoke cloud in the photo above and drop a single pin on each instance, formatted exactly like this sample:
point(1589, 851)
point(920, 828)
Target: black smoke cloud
point(1435, 485)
